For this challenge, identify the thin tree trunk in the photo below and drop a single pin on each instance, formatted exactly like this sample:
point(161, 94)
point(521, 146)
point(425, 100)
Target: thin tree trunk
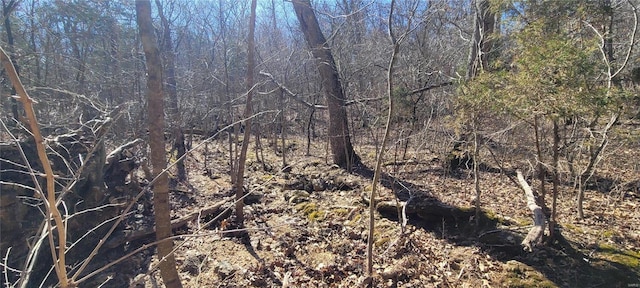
point(7, 8)
point(339, 138)
point(248, 111)
point(168, 57)
point(155, 106)
point(556, 179)
point(540, 169)
point(283, 131)
point(309, 131)
point(593, 161)
point(377, 171)
point(476, 180)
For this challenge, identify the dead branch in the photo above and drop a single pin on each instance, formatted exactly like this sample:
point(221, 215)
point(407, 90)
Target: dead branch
point(427, 88)
point(116, 153)
point(52, 209)
point(534, 237)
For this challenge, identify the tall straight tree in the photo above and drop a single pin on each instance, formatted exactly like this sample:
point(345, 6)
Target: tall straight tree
point(155, 106)
point(484, 24)
point(168, 57)
point(248, 112)
point(339, 138)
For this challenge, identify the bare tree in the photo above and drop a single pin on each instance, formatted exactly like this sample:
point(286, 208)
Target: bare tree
point(248, 111)
point(484, 24)
point(7, 8)
point(155, 106)
point(339, 138)
point(168, 57)
point(376, 176)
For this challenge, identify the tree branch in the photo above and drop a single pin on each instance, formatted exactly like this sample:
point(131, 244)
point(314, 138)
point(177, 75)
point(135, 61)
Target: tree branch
point(294, 96)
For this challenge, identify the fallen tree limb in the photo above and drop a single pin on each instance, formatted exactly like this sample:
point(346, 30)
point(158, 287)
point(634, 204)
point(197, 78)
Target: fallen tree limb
point(116, 153)
point(175, 224)
point(534, 237)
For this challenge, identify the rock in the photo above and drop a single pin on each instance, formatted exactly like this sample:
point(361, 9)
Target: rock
point(193, 262)
point(224, 269)
point(297, 196)
point(319, 185)
point(253, 198)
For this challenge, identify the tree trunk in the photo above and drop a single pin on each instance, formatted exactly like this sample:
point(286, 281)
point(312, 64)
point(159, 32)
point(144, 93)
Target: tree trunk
point(476, 159)
point(172, 92)
point(556, 179)
point(481, 45)
point(7, 8)
point(155, 107)
point(540, 168)
point(385, 139)
point(248, 111)
point(593, 161)
point(339, 138)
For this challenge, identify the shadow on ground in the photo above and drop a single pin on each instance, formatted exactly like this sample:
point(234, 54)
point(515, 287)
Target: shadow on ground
point(562, 262)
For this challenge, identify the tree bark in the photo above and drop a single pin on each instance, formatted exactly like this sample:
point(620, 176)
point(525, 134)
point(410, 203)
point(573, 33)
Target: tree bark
point(534, 236)
point(248, 111)
point(7, 8)
point(339, 137)
point(155, 106)
point(540, 167)
point(484, 25)
point(594, 157)
point(556, 179)
point(168, 56)
point(376, 175)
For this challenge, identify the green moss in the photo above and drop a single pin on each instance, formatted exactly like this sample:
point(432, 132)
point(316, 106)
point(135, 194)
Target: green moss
point(467, 209)
point(311, 211)
point(382, 241)
point(316, 215)
point(306, 207)
point(605, 247)
point(608, 233)
point(355, 220)
point(520, 275)
point(573, 228)
point(340, 212)
point(490, 215)
point(627, 258)
point(524, 221)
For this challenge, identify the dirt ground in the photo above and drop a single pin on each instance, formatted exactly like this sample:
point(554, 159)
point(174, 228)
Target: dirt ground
point(307, 227)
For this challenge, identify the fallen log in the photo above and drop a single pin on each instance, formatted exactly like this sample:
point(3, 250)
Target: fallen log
point(534, 237)
point(129, 236)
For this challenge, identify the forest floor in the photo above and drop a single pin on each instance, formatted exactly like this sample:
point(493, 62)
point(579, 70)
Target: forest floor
point(307, 227)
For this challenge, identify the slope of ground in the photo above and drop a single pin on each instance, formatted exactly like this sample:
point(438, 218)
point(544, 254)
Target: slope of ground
point(307, 227)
